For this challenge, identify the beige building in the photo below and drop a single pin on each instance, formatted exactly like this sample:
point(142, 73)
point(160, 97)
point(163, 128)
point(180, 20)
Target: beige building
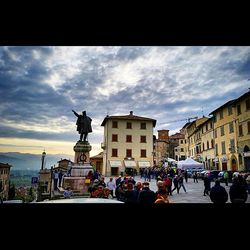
point(207, 144)
point(242, 105)
point(161, 146)
point(128, 143)
point(225, 137)
point(4, 179)
point(180, 153)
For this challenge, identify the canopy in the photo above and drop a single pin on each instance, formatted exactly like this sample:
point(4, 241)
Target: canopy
point(189, 163)
point(144, 164)
point(130, 164)
point(171, 160)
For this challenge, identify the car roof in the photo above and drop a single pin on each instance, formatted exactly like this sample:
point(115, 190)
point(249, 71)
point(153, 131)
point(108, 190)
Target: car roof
point(83, 200)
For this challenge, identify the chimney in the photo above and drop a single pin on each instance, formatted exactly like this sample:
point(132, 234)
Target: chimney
point(131, 113)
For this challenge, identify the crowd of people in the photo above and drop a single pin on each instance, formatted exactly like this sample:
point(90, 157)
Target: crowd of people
point(127, 190)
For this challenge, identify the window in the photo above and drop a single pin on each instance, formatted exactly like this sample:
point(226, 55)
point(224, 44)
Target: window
point(203, 146)
point(221, 114)
point(202, 130)
point(215, 133)
point(238, 110)
point(247, 104)
point(222, 132)
point(181, 141)
point(129, 125)
point(185, 141)
point(143, 138)
point(128, 152)
point(128, 138)
point(223, 148)
point(114, 137)
point(215, 118)
point(216, 149)
point(114, 124)
point(207, 127)
point(143, 125)
point(207, 144)
point(230, 110)
point(232, 146)
point(114, 152)
point(182, 149)
point(240, 130)
point(211, 125)
point(231, 127)
point(248, 127)
point(212, 143)
point(143, 153)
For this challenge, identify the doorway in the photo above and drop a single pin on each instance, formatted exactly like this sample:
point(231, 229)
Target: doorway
point(234, 165)
point(224, 166)
point(114, 171)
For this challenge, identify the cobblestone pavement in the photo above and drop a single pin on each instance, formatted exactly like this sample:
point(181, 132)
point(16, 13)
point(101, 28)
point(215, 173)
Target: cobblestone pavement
point(194, 191)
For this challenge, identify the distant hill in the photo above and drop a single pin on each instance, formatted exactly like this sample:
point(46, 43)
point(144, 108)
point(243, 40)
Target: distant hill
point(31, 161)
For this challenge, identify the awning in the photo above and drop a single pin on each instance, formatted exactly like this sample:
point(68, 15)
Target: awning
point(144, 164)
point(130, 164)
point(115, 164)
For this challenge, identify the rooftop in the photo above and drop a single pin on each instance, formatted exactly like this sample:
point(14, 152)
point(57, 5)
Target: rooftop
point(128, 117)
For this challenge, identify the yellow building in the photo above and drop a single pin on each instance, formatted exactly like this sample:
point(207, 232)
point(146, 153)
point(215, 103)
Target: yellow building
point(207, 144)
point(180, 150)
point(128, 143)
point(225, 136)
point(194, 138)
point(242, 108)
point(4, 180)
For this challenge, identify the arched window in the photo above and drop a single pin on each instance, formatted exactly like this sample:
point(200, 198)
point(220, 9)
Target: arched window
point(212, 143)
point(207, 144)
point(240, 159)
point(203, 146)
point(246, 148)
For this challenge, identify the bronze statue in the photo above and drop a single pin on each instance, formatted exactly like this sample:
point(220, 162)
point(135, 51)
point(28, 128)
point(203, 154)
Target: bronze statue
point(83, 125)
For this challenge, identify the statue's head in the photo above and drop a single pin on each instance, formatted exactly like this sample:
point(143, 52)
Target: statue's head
point(84, 112)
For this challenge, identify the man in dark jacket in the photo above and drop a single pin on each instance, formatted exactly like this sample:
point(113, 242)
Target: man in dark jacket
point(207, 185)
point(218, 193)
point(146, 196)
point(238, 191)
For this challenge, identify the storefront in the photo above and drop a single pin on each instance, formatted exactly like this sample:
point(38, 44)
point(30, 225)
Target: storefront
point(116, 168)
point(246, 155)
point(130, 167)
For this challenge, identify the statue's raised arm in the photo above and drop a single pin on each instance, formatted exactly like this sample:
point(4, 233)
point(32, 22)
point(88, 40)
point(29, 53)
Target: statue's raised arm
point(83, 124)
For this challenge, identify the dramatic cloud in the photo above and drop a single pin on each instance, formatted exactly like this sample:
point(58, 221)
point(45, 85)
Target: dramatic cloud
point(39, 86)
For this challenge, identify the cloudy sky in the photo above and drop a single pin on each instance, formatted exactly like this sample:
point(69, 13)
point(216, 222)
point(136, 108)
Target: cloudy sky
point(39, 87)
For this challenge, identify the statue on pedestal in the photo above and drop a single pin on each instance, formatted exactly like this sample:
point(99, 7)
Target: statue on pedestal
point(83, 125)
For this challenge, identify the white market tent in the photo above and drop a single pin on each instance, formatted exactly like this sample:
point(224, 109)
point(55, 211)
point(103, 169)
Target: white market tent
point(171, 160)
point(189, 163)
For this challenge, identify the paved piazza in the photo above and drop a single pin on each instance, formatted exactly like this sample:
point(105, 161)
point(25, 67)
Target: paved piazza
point(194, 191)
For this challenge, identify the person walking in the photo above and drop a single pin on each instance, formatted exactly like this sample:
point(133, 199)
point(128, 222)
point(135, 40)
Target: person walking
point(176, 184)
point(218, 194)
point(181, 183)
point(60, 176)
point(207, 185)
point(55, 179)
point(111, 185)
point(186, 176)
point(195, 176)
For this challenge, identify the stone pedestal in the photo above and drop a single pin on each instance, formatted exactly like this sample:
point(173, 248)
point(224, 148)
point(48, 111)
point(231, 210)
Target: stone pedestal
point(77, 180)
point(82, 149)
point(78, 185)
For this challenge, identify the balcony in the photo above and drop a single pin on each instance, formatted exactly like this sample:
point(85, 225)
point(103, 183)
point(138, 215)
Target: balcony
point(103, 145)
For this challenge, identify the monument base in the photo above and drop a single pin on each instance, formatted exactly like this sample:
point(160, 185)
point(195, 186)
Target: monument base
point(76, 184)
